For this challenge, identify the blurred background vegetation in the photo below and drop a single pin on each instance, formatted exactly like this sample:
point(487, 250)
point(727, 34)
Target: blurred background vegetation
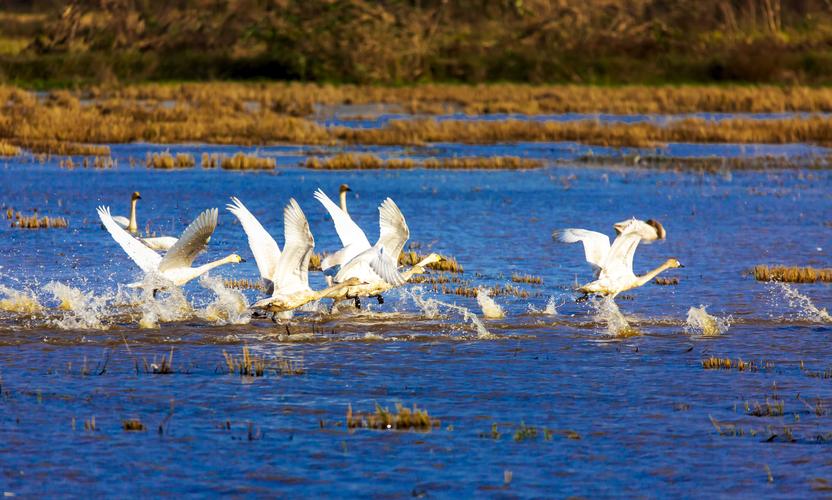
point(50, 43)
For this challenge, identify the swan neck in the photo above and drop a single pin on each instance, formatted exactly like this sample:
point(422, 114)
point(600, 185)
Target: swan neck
point(343, 199)
point(133, 226)
point(652, 274)
point(199, 271)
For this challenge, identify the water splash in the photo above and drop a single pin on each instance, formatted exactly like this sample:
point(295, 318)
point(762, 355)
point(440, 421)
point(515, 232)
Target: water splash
point(81, 310)
point(806, 309)
point(551, 308)
point(699, 322)
point(230, 306)
point(19, 302)
point(168, 305)
point(430, 308)
point(606, 311)
point(490, 308)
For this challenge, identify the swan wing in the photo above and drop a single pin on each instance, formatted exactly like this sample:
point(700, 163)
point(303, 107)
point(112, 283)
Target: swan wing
point(620, 258)
point(387, 268)
point(160, 243)
point(348, 231)
point(193, 240)
point(293, 268)
point(263, 247)
point(394, 231)
point(147, 259)
point(359, 267)
point(596, 245)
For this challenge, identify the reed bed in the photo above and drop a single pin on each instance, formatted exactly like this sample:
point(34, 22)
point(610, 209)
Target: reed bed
point(209, 160)
point(98, 162)
point(814, 129)
point(358, 161)
point(22, 221)
point(242, 161)
point(403, 419)
point(167, 161)
point(792, 274)
point(249, 365)
point(7, 149)
point(62, 147)
point(299, 99)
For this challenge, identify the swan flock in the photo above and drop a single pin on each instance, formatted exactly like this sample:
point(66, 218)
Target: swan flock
point(358, 269)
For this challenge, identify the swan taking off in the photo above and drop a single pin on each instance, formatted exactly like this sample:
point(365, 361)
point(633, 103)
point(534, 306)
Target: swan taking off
point(613, 264)
point(375, 267)
point(175, 266)
point(353, 239)
point(286, 272)
point(162, 243)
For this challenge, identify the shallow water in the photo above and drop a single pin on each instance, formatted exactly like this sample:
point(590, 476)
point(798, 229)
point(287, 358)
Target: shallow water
point(618, 409)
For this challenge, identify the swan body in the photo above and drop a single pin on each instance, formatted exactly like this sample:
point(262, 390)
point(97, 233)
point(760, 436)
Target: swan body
point(385, 282)
point(288, 271)
point(175, 266)
point(613, 264)
point(161, 243)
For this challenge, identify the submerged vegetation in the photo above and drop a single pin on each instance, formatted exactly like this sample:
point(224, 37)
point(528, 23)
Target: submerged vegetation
point(791, 274)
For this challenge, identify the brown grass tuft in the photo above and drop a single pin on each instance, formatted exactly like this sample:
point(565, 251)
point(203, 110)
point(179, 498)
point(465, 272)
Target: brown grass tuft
point(527, 278)
point(448, 264)
point(241, 161)
point(133, 425)
point(791, 274)
point(358, 161)
point(714, 363)
point(383, 419)
point(33, 222)
point(7, 149)
point(167, 161)
point(666, 281)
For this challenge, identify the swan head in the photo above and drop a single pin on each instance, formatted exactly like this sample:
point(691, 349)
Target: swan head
point(432, 258)
point(671, 263)
point(136, 196)
point(662, 234)
point(235, 259)
point(344, 188)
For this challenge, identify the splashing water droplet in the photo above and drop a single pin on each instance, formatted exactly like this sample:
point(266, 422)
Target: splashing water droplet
point(699, 322)
point(806, 309)
point(490, 308)
point(606, 311)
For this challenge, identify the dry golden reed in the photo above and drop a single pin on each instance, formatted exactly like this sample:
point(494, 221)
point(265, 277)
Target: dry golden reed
point(63, 148)
point(527, 278)
point(133, 425)
point(666, 281)
point(403, 419)
point(708, 164)
point(247, 365)
point(359, 161)
point(7, 149)
point(209, 160)
point(167, 161)
point(448, 264)
point(241, 161)
point(791, 274)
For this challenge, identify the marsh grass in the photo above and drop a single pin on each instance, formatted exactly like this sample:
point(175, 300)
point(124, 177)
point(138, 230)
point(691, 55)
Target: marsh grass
point(244, 284)
point(133, 425)
point(63, 147)
point(248, 365)
point(771, 408)
point(7, 149)
point(209, 160)
point(792, 274)
point(527, 278)
point(242, 161)
point(22, 221)
point(403, 419)
point(714, 363)
point(167, 161)
point(365, 161)
point(663, 281)
point(709, 164)
point(164, 366)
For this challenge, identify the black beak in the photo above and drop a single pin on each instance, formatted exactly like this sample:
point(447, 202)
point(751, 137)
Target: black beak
point(242, 259)
point(138, 197)
point(681, 265)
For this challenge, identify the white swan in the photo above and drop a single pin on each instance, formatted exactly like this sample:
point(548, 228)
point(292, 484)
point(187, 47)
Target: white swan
point(353, 239)
point(175, 266)
point(161, 243)
point(376, 267)
point(343, 189)
point(613, 264)
point(287, 272)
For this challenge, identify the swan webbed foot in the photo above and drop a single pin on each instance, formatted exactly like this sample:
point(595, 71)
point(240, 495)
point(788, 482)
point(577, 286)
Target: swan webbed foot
point(380, 299)
point(582, 298)
point(357, 303)
point(155, 292)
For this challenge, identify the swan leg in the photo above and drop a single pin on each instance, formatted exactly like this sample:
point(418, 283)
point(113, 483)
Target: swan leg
point(582, 298)
point(357, 303)
point(380, 299)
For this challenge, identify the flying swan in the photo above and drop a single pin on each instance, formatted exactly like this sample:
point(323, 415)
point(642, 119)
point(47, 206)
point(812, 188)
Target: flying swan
point(157, 243)
point(353, 239)
point(175, 266)
point(286, 272)
point(613, 264)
